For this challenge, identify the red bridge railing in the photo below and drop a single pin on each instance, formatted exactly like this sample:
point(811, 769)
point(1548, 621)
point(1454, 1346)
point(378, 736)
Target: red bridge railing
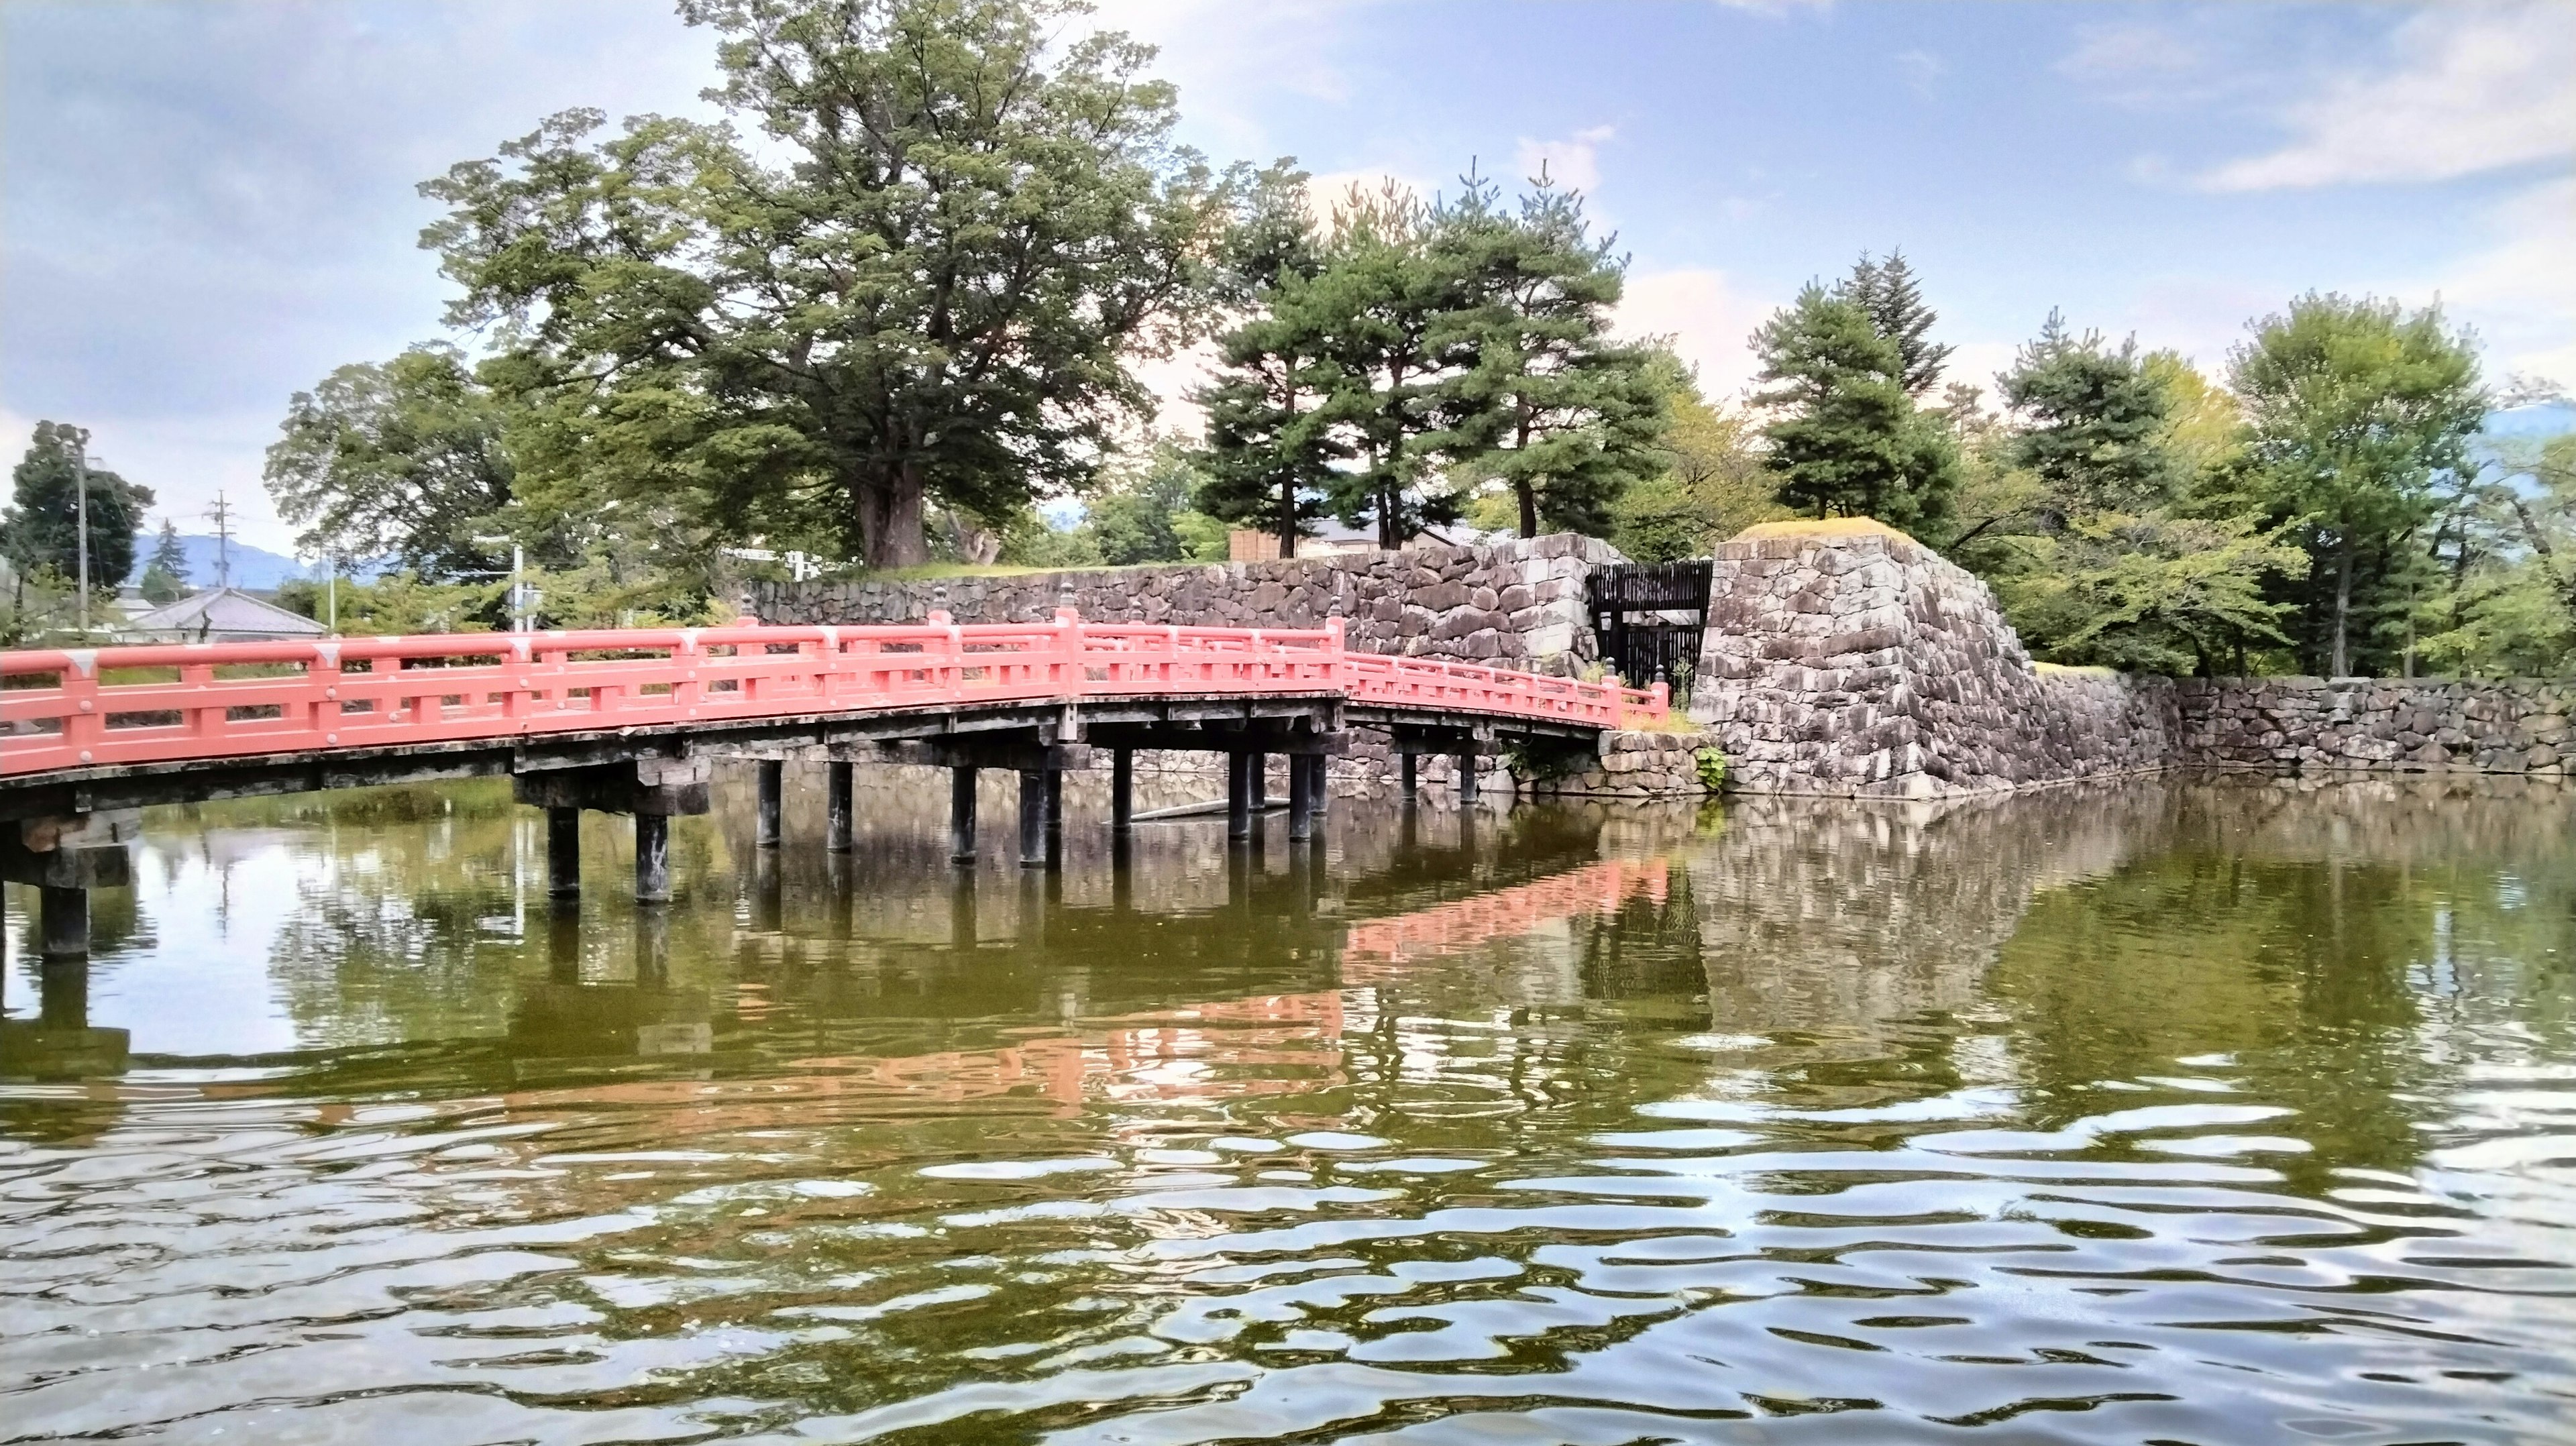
point(244, 700)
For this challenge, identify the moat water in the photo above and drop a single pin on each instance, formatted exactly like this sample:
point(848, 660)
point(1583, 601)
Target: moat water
point(2206, 1113)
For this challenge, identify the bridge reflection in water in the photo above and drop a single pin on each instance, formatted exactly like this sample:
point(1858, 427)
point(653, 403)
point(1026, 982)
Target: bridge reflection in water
point(1657, 1112)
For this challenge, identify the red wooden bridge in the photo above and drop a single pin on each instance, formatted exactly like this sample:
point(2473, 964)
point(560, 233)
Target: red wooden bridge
point(630, 720)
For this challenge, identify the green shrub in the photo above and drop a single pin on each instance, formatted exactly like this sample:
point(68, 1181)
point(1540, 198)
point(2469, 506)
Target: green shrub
point(1712, 769)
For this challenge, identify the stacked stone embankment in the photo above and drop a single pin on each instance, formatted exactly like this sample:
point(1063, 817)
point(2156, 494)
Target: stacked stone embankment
point(2389, 725)
point(1637, 763)
point(1845, 658)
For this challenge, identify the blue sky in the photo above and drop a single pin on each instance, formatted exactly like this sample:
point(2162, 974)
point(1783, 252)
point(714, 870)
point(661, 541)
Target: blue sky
point(207, 205)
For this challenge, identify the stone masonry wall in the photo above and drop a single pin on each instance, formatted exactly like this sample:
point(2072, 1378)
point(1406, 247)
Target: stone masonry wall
point(2419, 725)
point(1519, 604)
point(1845, 658)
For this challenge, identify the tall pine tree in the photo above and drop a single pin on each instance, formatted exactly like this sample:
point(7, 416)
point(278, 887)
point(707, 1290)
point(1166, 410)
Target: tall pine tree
point(2093, 422)
point(1893, 300)
point(1274, 433)
point(1551, 406)
point(1845, 437)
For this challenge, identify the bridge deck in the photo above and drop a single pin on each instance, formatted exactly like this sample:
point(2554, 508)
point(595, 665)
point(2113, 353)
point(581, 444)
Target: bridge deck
point(204, 720)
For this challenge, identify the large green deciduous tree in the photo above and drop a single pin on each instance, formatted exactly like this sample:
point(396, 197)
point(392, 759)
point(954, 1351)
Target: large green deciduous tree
point(404, 460)
point(40, 530)
point(1548, 402)
point(1845, 436)
point(2356, 409)
point(927, 281)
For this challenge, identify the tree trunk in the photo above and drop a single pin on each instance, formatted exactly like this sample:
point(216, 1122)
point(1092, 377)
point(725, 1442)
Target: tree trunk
point(2341, 666)
point(889, 507)
point(1288, 516)
point(1529, 507)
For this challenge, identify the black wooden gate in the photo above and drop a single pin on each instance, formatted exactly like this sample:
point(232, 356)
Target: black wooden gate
point(1648, 617)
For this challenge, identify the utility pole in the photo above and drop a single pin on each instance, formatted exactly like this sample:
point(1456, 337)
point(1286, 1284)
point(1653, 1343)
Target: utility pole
point(222, 512)
point(80, 508)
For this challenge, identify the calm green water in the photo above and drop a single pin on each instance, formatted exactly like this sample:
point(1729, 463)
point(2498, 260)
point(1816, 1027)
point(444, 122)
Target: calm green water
point(2211, 1114)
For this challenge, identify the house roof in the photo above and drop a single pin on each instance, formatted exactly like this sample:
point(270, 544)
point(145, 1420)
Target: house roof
point(225, 612)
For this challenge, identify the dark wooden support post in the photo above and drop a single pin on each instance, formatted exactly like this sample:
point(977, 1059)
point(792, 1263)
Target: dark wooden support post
point(563, 852)
point(652, 858)
point(1466, 778)
point(1407, 788)
point(651, 788)
point(1238, 796)
point(1320, 784)
point(62, 921)
point(1122, 789)
point(1301, 796)
point(772, 784)
point(1260, 781)
point(1033, 818)
point(840, 778)
point(1054, 817)
point(961, 814)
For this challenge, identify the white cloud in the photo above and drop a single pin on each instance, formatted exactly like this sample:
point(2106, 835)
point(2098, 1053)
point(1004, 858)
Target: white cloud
point(2519, 290)
point(1920, 68)
point(1709, 319)
point(1574, 163)
point(2113, 51)
point(2466, 89)
point(1226, 56)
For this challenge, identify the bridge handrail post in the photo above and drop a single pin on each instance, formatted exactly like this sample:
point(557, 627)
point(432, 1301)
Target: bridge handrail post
point(83, 725)
point(1070, 674)
point(1662, 696)
point(1333, 631)
point(322, 692)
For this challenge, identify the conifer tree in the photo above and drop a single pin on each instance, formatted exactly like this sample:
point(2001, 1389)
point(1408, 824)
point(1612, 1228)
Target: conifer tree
point(1273, 432)
point(1845, 437)
point(2093, 420)
point(1893, 299)
point(1551, 406)
point(165, 573)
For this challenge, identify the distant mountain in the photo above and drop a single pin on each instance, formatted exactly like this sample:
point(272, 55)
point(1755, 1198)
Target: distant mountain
point(2547, 419)
point(255, 568)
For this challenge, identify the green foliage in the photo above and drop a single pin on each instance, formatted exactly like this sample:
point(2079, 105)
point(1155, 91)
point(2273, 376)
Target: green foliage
point(1273, 437)
point(2357, 411)
point(1144, 515)
point(2151, 592)
point(1845, 437)
point(972, 224)
point(401, 603)
point(2094, 422)
point(403, 460)
point(40, 530)
point(1383, 299)
point(1888, 294)
point(1712, 769)
point(1712, 486)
